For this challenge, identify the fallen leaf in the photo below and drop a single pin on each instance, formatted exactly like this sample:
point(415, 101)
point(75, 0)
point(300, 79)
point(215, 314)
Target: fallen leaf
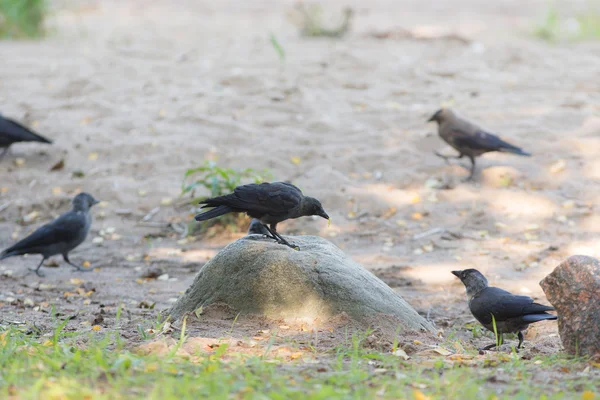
point(588, 395)
point(96, 328)
point(417, 216)
point(86, 264)
point(19, 162)
point(296, 160)
point(418, 395)
point(442, 351)
point(76, 281)
point(401, 353)
point(58, 166)
point(558, 166)
point(296, 355)
point(93, 156)
point(390, 212)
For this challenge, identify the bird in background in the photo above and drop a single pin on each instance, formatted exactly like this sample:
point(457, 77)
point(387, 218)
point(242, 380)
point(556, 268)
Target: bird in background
point(257, 228)
point(512, 313)
point(13, 132)
point(270, 203)
point(469, 139)
point(59, 236)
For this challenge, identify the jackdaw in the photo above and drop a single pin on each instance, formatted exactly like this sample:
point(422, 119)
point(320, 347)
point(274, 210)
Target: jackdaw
point(469, 139)
point(512, 313)
point(59, 236)
point(13, 132)
point(270, 203)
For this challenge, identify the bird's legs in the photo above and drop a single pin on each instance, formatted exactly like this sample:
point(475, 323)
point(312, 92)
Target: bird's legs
point(520, 336)
point(446, 158)
point(500, 341)
point(470, 177)
point(37, 270)
point(280, 238)
point(77, 267)
point(4, 152)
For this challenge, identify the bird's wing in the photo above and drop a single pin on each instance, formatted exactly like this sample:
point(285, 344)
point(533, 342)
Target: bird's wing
point(269, 198)
point(65, 228)
point(16, 132)
point(265, 198)
point(504, 305)
point(481, 140)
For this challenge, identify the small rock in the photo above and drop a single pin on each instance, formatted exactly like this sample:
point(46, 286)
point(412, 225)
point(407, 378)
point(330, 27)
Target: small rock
point(573, 288)
point(153, 273)
point(163, 277)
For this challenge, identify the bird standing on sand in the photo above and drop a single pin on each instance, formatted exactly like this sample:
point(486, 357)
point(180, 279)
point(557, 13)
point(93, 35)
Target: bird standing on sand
point(270, 203)
point(13, 132)
point(59, 236)
point(512, 313)
point(469, 139)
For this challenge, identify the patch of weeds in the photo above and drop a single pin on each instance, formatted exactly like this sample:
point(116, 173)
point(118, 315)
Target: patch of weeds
point(99, 365)
point(309, 19)
point(555, 28)
point(218, 181)
point(22, 19)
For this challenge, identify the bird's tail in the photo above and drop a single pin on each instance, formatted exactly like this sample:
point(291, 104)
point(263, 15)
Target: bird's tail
point(27, 134)
point(509, 148)
point(6, 254)
point(538, 317)
point(215, 212)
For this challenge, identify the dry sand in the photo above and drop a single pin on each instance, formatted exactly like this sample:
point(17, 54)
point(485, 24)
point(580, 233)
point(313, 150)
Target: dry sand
point(136, 92)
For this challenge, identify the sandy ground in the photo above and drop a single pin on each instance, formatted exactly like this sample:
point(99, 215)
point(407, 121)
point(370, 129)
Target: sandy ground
point(135, 93)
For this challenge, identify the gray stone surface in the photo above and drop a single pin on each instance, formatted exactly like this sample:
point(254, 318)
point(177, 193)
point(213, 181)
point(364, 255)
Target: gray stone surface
point(573, 288)
point(255, 275)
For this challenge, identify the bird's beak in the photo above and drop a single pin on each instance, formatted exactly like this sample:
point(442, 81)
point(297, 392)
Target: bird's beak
point(456, 273)
point(95, 202)
point(323, 214)
point(431, 119)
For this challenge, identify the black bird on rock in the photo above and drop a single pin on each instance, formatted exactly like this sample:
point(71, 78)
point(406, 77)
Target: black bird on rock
point(270, 203)
point(59, 236)
point(469, 139)
point(13, 132)
point(512, 313)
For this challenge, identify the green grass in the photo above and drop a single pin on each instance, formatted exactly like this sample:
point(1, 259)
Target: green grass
point(99, 365)
point(555, 27)
point(22, 19)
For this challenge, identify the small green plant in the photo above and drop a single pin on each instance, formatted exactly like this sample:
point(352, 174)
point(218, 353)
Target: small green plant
point(210, 180)
point(496, 335)
point(554, 28)
point(21, 19)
point(277, 47)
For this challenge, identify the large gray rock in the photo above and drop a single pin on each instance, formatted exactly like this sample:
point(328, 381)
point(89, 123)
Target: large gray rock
point(255, 275)
point(573, 288)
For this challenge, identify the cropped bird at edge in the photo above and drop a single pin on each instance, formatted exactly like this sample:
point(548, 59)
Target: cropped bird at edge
point(270, 203)
point(512, 313)
point(59, 236)
point(469, 139)
point(13, 132)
